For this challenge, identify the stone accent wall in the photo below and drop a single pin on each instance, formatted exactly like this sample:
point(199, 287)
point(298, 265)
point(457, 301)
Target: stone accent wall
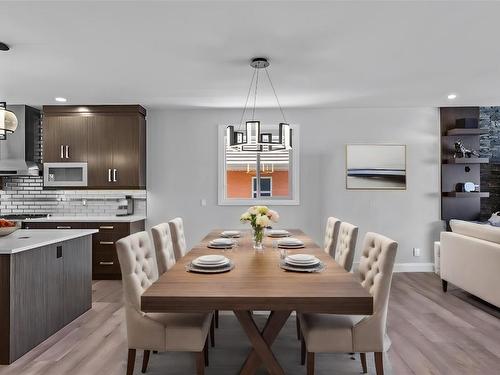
point(489, 118)
point(26, 195)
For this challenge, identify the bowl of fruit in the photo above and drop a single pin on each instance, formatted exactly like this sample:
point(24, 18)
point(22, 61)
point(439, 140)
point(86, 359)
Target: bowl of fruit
point(8, 226)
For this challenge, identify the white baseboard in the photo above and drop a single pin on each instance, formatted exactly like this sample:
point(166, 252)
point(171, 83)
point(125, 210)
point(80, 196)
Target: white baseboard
point(409, 267)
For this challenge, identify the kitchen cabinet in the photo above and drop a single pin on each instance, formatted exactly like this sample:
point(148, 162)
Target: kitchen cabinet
point(65, 138)
point(105, 265)
point(111, 139)
point(41, 290)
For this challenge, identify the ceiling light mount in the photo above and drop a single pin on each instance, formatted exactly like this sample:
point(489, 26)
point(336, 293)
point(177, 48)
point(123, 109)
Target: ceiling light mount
point(259, 63)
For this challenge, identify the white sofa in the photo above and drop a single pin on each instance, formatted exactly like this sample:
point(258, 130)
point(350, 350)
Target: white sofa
point(470, 259)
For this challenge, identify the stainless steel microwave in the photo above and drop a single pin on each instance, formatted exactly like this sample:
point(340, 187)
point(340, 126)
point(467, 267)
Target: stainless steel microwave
point(65, 174)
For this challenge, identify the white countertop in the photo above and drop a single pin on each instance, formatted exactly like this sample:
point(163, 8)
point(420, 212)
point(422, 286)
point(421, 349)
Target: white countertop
point(76, 219)
point(27, 239)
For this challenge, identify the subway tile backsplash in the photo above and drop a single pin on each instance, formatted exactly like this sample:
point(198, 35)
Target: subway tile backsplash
point(25, 195)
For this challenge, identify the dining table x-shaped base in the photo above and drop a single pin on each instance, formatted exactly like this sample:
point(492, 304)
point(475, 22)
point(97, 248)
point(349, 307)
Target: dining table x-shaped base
point(262, 341)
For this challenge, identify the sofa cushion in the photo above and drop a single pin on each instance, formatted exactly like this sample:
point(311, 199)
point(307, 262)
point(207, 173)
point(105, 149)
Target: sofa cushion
point(482, 231)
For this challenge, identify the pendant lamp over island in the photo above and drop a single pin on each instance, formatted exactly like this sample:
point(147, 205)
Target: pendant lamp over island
point(250, 137)
point(8, 121)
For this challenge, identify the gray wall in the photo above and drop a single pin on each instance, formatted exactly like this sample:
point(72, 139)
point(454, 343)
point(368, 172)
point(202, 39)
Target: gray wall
point(182, 170)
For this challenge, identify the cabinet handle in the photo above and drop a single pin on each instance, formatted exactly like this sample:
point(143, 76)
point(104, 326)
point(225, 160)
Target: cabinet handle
point(106, 242)
point(106, 263)
point(63, 227)
point(109, 174)
point(114, 175)
point(67, 152)
point(106, 227)
point(62, 152)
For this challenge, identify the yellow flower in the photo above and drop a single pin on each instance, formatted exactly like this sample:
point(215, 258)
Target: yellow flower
point(262, 221)
point(262, 210)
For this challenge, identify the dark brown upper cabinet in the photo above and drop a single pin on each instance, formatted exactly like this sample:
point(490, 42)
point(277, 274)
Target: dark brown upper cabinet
point(111, 139)
point(65, 138)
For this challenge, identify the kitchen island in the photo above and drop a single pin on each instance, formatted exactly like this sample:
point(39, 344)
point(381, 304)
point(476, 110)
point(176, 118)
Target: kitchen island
point(45, 283)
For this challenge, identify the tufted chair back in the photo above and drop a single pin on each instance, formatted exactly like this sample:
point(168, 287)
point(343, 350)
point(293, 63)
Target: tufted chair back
point(163, 247)
point(375, 273)
point(139, 271)
point(346, 245)
point(331, 235)
point(178, 238)
point(138, 266)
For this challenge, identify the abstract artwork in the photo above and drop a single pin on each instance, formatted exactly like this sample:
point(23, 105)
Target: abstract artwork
point(380, 167)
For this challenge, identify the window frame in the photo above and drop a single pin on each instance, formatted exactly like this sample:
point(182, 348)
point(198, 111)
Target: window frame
point(294, 199)
point(270, 178)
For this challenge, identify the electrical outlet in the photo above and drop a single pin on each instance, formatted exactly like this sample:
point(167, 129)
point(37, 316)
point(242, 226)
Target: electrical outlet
point(203, 202)
point(416, 252)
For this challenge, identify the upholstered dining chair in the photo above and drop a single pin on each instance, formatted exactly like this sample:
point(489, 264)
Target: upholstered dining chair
point(331, 235)
point(178, 237)
point(165, 258)
point(346, 245)
point(186, 332)
point(164, 250)
point(180, 247)
point(327, 333)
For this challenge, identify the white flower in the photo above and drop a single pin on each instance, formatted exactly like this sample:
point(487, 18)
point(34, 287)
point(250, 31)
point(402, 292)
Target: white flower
point(253, 210)
point(245, 217)
point(262, 221)
point(273, 215)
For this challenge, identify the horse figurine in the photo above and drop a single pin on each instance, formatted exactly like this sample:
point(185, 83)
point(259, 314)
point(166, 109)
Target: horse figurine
point(462, 152)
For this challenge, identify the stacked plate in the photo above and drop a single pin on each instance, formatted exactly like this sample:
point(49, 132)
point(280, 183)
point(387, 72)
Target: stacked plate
point(302, 263)
point(231, 234)
point(278, 233)
point(221, 243)
point(210, 264)
point(290, 243)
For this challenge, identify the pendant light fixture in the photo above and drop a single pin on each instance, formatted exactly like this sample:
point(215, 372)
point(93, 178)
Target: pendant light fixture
point(250, 137)
point(8, 121)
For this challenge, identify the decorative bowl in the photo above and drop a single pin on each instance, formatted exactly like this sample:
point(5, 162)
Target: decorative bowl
point(5, 231)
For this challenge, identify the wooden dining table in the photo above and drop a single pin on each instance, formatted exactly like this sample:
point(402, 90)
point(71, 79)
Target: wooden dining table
point(258, 283)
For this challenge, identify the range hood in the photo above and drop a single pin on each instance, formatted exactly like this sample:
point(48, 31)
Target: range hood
point(20, 153)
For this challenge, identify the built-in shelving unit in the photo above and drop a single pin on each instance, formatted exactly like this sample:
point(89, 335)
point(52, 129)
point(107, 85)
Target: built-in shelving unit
point(454, 204)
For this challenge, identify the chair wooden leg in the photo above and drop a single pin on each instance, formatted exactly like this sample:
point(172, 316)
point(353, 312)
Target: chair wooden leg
point(297, 323)
point(212, 332)
point(200, 363)
point(444, 283)
point(379, 363)
point(205, 352)
point(145, 360)
point(216, 318)
point(363, 362)
point(310, 363)
point(302, 351)
point(130, 361)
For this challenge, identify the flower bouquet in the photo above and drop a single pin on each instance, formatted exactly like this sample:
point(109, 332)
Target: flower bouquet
point(259, 217)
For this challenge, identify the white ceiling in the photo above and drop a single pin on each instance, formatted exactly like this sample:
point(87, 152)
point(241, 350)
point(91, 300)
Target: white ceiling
point(195, 54)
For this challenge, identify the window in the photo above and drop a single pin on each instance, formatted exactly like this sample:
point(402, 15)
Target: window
point(266, 187)
point(248, 177)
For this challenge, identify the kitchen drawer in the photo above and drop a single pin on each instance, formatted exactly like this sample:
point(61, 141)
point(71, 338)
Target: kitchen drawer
point(53, 225)
point(105, 262)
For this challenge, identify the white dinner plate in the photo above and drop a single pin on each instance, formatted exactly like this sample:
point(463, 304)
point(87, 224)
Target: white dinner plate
point(222, 241)
point(212, 258)
point(278, 233)
point(231, 233)
point(302, 257)
point(291, 242)
point(302, 264)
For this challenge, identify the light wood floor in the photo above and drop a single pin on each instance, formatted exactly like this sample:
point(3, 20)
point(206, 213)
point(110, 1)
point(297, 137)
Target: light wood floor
point(431, 332)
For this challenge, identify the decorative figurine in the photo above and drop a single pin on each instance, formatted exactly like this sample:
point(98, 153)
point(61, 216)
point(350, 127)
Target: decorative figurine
point(462, 152)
